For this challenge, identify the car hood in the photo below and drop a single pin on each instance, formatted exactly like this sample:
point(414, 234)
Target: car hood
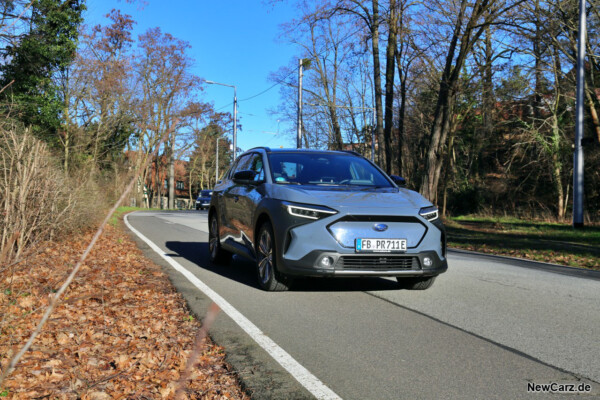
point(336, 198)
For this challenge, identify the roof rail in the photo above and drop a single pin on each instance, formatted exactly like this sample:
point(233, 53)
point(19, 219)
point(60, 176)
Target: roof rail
point(352, 152)
point(265, 148)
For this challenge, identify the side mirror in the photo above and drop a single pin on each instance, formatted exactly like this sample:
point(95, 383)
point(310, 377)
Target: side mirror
point(398, 180)
point(245, 176)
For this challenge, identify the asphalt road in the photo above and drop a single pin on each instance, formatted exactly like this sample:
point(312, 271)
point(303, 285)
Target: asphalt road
point(486, 329)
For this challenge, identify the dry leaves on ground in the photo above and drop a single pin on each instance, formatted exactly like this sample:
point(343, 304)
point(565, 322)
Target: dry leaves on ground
point(121, 330)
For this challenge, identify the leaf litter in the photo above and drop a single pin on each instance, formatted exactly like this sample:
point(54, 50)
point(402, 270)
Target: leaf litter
point(121, 331)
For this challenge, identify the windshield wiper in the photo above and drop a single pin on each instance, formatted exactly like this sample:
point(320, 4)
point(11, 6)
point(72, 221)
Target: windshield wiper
point(375, 187)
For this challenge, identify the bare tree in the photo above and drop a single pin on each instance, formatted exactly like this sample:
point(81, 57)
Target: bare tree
point(167, 85)
point(468, 22)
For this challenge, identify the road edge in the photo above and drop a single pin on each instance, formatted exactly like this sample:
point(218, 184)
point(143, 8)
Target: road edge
point(298, 372)
point(538, 265)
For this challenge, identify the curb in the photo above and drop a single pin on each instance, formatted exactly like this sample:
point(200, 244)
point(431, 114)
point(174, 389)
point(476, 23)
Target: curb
point(539, 265)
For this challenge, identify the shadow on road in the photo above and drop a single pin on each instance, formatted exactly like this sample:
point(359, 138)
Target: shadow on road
point(244, 271)
point(238, 270)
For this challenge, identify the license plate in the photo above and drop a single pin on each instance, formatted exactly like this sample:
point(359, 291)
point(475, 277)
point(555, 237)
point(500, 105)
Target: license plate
point(380, 245)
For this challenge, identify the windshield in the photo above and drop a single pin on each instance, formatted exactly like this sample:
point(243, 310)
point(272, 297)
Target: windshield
point(332, 169)
point(206, 193)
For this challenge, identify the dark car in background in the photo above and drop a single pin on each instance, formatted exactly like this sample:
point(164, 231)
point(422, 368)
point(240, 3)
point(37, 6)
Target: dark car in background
point(203, 200)
point(323, 214)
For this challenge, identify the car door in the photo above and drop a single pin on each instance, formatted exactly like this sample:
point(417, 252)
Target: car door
point(229, 198)
point(241, 202)
point(249, 195)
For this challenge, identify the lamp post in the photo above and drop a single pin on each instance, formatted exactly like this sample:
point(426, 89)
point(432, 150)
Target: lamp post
point(234, 114)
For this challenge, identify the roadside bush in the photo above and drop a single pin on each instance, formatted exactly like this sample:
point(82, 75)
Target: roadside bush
point(466, 201)
point(37, 200)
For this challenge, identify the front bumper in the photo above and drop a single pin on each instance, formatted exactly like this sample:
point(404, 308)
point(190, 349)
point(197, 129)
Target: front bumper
point(377, 264)
point(303, 247)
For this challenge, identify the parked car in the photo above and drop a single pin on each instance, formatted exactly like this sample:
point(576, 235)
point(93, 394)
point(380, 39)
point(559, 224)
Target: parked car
point(323, 214)
point(203, 200)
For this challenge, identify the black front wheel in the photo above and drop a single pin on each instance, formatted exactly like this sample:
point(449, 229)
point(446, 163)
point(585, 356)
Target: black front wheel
point(217, 254)
point(269, 278)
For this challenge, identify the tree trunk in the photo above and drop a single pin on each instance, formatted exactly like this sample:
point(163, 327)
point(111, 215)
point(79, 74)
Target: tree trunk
point(557, 173)
point(590, 92)
point(488, 102)
point(448, 89)
point(390, 59)
point(537, 55)
point(377, 77)
point(337, 131)
point(441, 116)
point(447, 173)
point(403, 151)
point(171, 172)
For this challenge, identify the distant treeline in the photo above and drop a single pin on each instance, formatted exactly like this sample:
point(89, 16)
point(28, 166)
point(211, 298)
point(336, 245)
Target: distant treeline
point(474, 100)
point(471, 101)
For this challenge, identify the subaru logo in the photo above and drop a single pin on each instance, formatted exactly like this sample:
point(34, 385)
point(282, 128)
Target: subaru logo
point(380, 227)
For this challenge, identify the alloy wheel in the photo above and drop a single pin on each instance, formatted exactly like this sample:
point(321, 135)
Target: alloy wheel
point(213, 238)
point(265, 257)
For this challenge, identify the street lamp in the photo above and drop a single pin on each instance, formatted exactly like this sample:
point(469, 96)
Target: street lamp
point(234, 114)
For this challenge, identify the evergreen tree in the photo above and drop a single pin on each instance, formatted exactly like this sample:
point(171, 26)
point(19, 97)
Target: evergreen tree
point(31, 65)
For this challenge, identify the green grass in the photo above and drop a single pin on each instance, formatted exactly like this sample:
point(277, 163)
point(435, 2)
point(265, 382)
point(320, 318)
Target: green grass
point(541, 241)
point(118, 214)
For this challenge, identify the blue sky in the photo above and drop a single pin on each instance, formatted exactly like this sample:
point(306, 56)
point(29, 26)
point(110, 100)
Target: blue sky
point(233, 42)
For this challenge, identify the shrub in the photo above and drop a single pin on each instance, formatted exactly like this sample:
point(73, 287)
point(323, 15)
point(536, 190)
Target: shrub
point(38, 201)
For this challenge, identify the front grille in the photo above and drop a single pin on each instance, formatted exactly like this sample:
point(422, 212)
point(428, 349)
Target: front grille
point(378, 262)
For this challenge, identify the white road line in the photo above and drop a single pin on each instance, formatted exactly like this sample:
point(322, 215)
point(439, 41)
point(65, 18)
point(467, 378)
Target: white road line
point(301, 374)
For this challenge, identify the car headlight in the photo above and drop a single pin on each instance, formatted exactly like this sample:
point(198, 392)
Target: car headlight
point(429, 213)
point(310, 212)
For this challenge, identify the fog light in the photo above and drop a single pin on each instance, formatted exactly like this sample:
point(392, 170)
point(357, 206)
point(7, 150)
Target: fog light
point(326, 262)
point(428, 262)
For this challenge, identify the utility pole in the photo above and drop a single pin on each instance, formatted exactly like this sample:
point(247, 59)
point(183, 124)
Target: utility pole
point(299, 135)
point(578, 156)
point(234, 122)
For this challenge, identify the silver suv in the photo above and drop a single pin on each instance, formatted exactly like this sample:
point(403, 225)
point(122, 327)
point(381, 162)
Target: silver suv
point(323, 213)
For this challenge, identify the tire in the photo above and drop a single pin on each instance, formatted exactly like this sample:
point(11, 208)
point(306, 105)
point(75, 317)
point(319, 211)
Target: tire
point(269, 278)
point(216, 253)
point(416, 283)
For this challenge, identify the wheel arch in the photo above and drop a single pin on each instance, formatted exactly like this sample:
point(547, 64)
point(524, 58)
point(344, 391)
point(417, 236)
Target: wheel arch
point(211, 212)
point(260, 220)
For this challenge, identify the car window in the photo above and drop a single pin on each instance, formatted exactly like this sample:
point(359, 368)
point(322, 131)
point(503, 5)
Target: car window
point(243, 163)
point(309, 168)
point(226, 174)
point(257, 165)
point(284, 171)
point(229, 173)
